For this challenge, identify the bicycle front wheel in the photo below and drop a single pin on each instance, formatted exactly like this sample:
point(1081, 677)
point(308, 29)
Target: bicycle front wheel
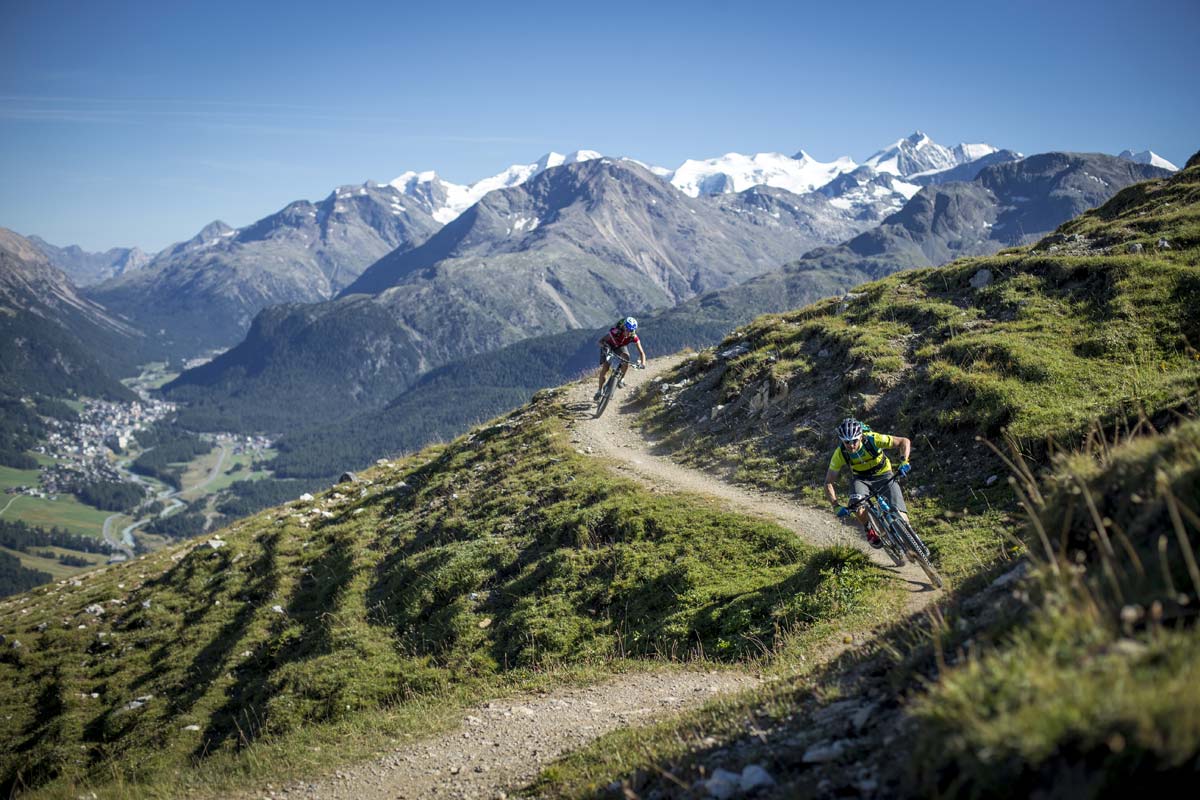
point(889, 544)
point(610, 388)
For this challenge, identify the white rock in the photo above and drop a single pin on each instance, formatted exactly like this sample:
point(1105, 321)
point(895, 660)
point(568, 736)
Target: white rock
point(981, 279)
point(306, 498)
point(992, 479)
point(191, 727)
point(277, 609)
point(95, 609)
point(723, 784)
point(862, 716)
point(734, 352)
point(824, 752)
point(755, 777)
point(215, 544)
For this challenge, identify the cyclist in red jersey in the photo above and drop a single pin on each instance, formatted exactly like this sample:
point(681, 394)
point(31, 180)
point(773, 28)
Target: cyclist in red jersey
point(618, 338)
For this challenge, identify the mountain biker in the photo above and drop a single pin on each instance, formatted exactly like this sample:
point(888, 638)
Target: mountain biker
point(862, 449)
point(618, 338)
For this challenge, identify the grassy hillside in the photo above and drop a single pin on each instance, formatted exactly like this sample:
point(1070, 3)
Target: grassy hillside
point(502, 557)
point(1070, 673)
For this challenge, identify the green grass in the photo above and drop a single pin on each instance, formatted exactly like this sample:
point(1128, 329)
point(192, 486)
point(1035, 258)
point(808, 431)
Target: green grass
point(66, 512)
point(10, 477)
point(1080, 683)
point(1106, 671)
point(464, 569)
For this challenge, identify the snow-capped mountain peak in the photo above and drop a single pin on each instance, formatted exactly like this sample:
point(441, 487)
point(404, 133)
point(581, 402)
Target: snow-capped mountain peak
point(735, 172)
point(1148, 157)
point(446, 201)
point(917, 154)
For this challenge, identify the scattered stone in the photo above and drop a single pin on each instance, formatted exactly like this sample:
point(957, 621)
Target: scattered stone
point(824, 353)
point(824, 752)
point(755, 777)
point(278, 609)
point(306, 498)
point(734, 352)
point(95, 609)
point(348, 477)
point(1129, 647)
point(191, 727)
point(1134, 248)
point(863, 716)
point(723, 784)
point(716, 411)
point(1163, 244)
point(992, 479)
point(981, 279)
point(1013, 575)
point(215, 544)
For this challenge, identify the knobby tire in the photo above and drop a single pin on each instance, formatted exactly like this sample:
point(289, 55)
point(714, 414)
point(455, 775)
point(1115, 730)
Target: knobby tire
point(610, 388)
point(918, 551)
point(889, 545)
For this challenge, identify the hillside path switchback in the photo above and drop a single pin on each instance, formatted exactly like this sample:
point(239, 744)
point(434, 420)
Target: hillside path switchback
point(615, 437)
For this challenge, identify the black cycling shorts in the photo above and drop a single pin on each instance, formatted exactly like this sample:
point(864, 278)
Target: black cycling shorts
point(623, 351)
point(865, 485)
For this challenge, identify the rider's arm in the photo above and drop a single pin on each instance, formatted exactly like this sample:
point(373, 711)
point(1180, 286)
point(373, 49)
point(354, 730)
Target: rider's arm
point(641, 352)
point(905, 446)
point(830, 489)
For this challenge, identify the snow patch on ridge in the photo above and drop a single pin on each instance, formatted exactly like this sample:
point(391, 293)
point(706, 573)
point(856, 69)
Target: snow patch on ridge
point(457, 198)
point(735, 172)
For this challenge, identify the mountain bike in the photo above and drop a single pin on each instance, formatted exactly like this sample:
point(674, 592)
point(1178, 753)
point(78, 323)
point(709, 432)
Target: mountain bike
point(615, 361)
point(897, 535)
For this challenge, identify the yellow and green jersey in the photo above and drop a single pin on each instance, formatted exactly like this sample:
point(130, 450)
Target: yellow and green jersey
point(870, 458)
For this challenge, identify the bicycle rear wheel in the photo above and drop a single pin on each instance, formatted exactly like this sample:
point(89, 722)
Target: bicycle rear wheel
point(919, 552)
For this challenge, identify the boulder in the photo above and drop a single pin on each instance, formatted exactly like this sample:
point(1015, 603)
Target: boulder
point(981, 279)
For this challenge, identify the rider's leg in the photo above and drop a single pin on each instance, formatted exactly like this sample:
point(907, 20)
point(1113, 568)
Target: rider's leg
point(896, 498)
point(861, 487)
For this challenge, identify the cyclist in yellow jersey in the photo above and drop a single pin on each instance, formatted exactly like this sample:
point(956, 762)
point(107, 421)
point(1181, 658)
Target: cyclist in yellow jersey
point(862, 450)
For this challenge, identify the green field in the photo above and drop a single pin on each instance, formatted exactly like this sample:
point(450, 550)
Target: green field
point(66, 512)
point(52, 566)
point(10, 477)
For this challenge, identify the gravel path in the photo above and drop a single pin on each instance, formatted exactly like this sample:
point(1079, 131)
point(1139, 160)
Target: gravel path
point(503, 744)
point(614, 436)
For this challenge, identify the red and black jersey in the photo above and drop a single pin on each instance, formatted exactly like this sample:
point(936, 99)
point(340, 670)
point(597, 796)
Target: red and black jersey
point(618, 337)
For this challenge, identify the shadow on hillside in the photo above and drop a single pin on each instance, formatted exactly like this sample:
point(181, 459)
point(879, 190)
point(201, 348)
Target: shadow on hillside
point(245, 715)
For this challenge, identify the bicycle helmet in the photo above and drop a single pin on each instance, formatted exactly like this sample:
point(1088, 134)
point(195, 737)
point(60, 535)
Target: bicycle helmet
point(630, 324)
point(849, 430)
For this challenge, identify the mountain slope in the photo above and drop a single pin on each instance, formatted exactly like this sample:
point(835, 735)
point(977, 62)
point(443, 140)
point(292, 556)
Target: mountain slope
point(203, 293)
point(1006, 204)
point(502, 559)
point(445, 201)
point(574, 247)
point(52, 340)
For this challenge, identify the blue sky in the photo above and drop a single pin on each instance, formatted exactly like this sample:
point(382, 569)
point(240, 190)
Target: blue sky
point(137, 123)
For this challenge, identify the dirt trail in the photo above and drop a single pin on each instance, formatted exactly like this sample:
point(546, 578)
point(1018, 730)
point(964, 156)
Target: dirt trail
point(615, 437)
point(503, 744)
